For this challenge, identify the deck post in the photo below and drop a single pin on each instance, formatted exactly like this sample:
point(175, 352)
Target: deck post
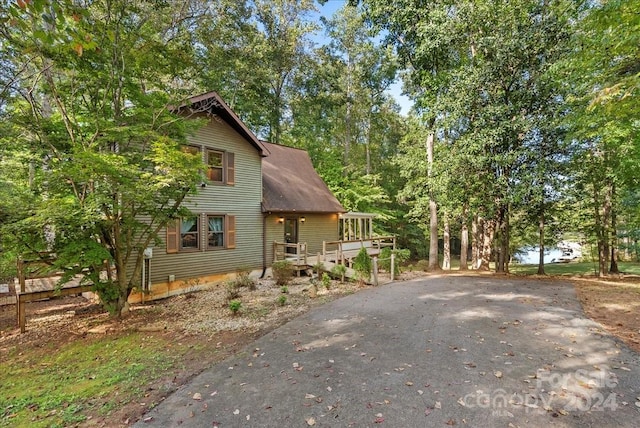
point(375, 271)
point(393, 266)
point(22, 316)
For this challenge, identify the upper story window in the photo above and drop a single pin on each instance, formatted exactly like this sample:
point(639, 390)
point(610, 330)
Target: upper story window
point(215, 166)
point(194, 150)
point(220, 167)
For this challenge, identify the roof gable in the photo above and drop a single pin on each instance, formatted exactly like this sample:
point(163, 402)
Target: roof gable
point(291, 184)
point(212, 103)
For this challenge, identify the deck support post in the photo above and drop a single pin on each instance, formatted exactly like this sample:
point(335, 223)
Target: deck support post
point(375, 271)
point(393, 266)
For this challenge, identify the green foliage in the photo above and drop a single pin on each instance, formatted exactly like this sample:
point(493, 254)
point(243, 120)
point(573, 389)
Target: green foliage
point(284, 289)
point(400, 255)
point(326, 280)
point(362, 265)
point(422, 265)
point(101, 148)
point(99, 373)
point(282, 272)
point(235, 306)
point(318, 268)
point(282, 300)
point(339, 271)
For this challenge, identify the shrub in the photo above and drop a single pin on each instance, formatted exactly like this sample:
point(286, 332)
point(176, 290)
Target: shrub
point(326, 280)
point(318, 268)
point(233, 292)
point(339, 271)
point(235, 306)
point(401, 256)
point(362, 265)
point(282, 300)
point(244, 280)
point(284, 289)
point(422, 265)
point(282, 272)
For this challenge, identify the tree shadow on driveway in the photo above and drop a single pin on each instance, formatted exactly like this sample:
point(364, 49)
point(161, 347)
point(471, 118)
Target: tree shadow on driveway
point(430, 352)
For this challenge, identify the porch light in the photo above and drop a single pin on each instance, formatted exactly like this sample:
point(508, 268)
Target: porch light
point(281, 220)
point(302, 219)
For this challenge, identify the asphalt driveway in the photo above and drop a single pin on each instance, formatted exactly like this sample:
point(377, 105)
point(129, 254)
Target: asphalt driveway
point(443, 351)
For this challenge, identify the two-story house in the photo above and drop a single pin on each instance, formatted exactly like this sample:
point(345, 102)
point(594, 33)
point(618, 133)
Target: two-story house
point(253, 193)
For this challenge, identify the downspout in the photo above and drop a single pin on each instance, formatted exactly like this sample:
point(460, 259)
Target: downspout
point(264, 245)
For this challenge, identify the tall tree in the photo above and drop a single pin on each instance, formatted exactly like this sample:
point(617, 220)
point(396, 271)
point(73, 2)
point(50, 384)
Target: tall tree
point(89, 104)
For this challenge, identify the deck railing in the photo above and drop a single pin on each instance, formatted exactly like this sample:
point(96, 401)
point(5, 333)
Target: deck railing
point(295, 253)
point(344, 251)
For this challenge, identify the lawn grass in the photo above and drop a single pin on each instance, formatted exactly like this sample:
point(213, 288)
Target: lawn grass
point(574, 268)
point(58, 387)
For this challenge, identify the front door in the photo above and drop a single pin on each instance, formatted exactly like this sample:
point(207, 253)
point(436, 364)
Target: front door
point(291, 233)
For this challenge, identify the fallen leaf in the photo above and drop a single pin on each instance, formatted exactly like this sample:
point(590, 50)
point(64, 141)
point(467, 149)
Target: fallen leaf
point(311, 421)
point(428, 411)
point(563, 412)
point(438, 405)
point(451, 422)
point(309, 396)
point(461, 402)
point(197, 396)
point(497, 374)
point(420, 392)
point(409, 383)
point(236, 412)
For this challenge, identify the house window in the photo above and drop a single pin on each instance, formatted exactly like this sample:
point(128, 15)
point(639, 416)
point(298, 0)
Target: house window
point(220, 167)
point(216, 231)
point(184, 234)
point(194, 150)
point(189, 233)
point(221, 231)
point(215, 166)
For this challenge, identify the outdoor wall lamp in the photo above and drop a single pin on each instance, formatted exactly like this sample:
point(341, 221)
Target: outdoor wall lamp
point(302, 219)
point(281, 220)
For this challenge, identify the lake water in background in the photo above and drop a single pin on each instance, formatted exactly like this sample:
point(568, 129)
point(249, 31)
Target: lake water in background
point(530, 256)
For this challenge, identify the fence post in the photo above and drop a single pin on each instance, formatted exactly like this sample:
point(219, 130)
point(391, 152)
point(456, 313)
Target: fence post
point(375, 271)
point(393, 266)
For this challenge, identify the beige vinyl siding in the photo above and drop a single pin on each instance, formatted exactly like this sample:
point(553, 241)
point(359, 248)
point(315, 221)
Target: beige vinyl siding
point(316, 229)
point(242, 200)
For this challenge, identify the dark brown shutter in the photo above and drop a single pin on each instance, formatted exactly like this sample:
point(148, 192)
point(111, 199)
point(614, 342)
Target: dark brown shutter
point(231, 231)
point(231, 169)
point(173, 237)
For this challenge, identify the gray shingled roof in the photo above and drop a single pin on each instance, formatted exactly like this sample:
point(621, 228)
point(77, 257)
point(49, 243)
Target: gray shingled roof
point(291, 184)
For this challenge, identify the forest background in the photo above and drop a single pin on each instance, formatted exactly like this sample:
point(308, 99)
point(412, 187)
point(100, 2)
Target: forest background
point(523, 129)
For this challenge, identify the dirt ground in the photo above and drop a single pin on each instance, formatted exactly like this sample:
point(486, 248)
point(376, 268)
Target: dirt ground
point(203, 319)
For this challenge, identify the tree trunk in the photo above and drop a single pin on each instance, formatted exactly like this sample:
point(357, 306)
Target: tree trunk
point(446, 262)
point(475, 242)
point(613, 268)
point(602, 265)
point(464, 241)
point(541, 242)
point(433, 236)
point(503, 240)
point(433, 208)
point(488, 235)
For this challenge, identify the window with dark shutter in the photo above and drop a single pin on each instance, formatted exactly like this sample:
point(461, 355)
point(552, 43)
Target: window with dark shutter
point(231, 231)
point(173, 237)
point(231, 169)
